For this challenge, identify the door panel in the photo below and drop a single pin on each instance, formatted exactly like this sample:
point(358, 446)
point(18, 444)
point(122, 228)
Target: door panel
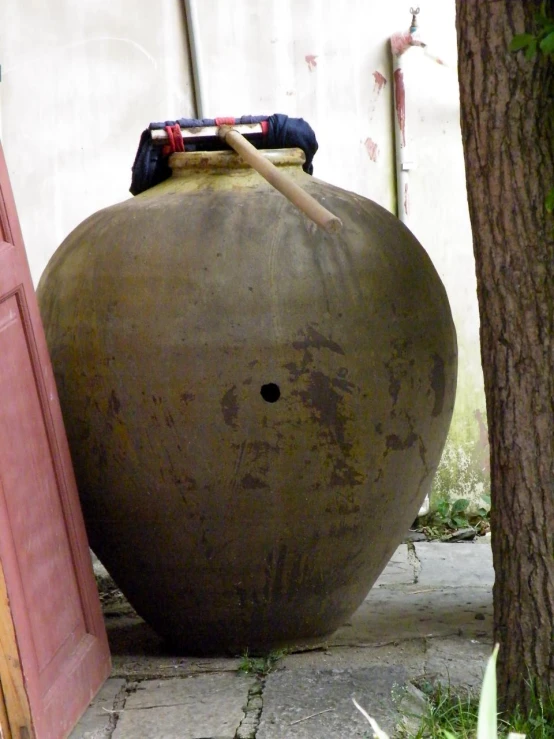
point(53, 601)
point(54, 614)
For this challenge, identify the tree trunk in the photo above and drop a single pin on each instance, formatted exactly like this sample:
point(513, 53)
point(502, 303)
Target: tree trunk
point(508, 133)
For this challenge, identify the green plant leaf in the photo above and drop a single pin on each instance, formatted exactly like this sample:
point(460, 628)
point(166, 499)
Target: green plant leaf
point(487, 721)
point(521, 41)
point(547, 44)
point(550, 201)
point(459, 505)
point(531, 50)
point(459, 521)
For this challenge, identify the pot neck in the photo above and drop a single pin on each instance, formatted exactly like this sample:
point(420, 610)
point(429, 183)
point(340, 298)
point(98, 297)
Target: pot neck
point(192, 163)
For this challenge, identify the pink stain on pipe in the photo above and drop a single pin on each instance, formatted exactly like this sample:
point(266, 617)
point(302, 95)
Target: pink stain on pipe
point(406, 203)
point(372, 149)
point(380, 81)
point(401, 42)
point(400, 103)
point(311, 61)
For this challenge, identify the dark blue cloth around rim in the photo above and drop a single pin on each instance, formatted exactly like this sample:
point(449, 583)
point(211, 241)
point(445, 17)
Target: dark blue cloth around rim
point(151, 167)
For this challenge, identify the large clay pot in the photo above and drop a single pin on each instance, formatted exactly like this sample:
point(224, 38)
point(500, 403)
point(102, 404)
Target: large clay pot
point(255, 408)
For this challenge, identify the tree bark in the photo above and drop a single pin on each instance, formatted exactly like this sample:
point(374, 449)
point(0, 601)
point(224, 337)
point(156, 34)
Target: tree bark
point(507, 114)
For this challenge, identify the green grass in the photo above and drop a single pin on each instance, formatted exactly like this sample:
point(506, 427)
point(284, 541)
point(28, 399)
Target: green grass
point(539, 723)
point(260, 666)
point(450, 716)
point(450, 712)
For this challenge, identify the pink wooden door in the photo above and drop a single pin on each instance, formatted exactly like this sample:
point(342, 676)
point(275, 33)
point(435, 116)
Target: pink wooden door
point(44, 555)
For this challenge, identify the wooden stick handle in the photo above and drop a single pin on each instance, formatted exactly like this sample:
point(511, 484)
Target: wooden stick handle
point(297, 196)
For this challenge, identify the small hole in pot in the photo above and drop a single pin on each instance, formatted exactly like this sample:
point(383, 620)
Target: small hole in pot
point(270, 392)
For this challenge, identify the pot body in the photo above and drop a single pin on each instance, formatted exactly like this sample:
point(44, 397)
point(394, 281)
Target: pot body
point(255, 408)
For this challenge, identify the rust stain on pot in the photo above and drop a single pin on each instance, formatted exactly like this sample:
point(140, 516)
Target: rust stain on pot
point(249, 482)
point(380, 81)
point(322, 396)
point(275, 577)
point(311, 61)
point(294, 370)
point(344, 474)
point(188, 485)
point(314, 340)
point(438, 384)
point(400, 103)
point(396, 444)
point(261, 449)
point(113, 404)
point(229, 407)
point(398, 367)
point(394, 383)
point(343, 509)
point(423, 452)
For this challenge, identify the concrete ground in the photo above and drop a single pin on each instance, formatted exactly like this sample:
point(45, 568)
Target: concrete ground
point(428, 618)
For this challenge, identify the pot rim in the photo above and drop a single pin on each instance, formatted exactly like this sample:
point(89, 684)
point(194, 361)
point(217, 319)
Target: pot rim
point(209, 160)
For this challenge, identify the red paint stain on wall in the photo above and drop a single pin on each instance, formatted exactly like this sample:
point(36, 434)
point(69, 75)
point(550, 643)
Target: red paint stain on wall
point(380, 81)
point(400, 103)
point(372, 149)
point(406, 203)
point(311, 61)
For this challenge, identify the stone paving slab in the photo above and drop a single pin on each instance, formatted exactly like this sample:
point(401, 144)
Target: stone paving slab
point(458, 662)
point(196, 707)
point(389, 616)
point(99, 720)
point(400, 570)
point(291, 696)
point(455, 660)
point(457, 565)
point(410, 653)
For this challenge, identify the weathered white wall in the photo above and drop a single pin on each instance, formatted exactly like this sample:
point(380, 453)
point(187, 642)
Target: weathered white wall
point(314, 59)
point(438, 216)
point(80, 80)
